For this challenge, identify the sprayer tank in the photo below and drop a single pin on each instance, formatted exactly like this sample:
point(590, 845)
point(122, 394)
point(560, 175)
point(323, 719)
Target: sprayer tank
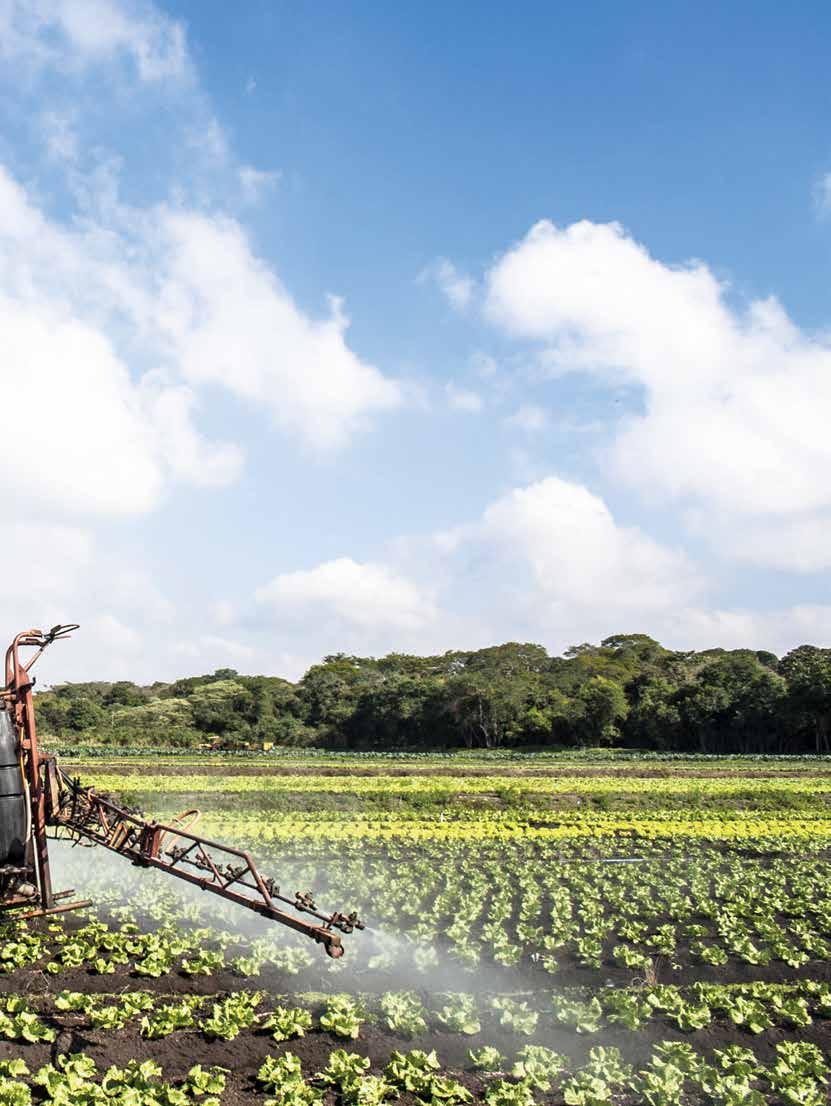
point(12, 799)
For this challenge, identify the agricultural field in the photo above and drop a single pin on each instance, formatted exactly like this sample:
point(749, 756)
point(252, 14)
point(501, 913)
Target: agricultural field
point(584, 929)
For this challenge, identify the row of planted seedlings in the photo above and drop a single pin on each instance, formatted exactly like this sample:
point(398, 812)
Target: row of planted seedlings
point(518, 904)
point(151, 953)
point(444, 788)
point(753, 1008)
point(675, 1073)
point(521, 903)
point(729, 1077)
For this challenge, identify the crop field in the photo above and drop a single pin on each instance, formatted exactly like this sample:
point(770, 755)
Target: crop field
point(586, 930)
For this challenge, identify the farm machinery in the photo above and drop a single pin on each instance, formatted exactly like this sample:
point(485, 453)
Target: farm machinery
point(39, 800)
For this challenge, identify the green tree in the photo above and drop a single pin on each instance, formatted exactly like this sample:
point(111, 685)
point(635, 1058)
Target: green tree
point(222, 708)
point(488, 709)
point(123, 694)
point(84, 714)
point(604, 707)
point(807, 671)
point(732, 705)
point(654, 718)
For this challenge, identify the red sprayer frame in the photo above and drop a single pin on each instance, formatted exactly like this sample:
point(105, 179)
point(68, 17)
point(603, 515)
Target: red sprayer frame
point(64, 806)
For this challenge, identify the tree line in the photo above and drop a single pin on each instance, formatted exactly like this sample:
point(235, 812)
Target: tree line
point(628, 691)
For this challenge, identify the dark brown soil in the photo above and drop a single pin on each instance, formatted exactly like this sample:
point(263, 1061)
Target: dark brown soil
point(244, 1055)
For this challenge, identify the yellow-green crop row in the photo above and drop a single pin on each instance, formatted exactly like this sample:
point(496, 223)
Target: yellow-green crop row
point(669, 787)
point(256, 827)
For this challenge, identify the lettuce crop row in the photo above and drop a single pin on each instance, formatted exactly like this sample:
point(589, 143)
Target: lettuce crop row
point(759, 830)
point(519, 902)
point(798, 1076)
point(522, 903)
point(752, 1007)
point(74, 1080)
point(513, 788)
point(172, 947)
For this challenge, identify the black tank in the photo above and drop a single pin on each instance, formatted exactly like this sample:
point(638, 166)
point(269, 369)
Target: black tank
point(12, 802)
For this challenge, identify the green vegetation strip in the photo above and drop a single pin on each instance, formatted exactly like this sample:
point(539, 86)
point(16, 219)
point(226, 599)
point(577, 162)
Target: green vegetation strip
point(442, 786)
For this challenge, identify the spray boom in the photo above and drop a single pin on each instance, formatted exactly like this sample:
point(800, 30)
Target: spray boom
point(47, 801)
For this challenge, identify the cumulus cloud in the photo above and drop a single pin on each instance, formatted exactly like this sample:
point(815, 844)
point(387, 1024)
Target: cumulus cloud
point(124, 326)
point(76, 33)
point(734, 400)
point(230, 321)
point(778, 630)
point(546, 561)
point(95, 439)
point(367, 596)
point(560, 544)
point(52, 572)
point(549, 561)
point(88, 445)
point(184, 291)
point(255, 182)
point(455, 286)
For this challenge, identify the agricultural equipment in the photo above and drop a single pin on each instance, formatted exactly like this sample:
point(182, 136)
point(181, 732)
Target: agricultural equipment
point(39, 800)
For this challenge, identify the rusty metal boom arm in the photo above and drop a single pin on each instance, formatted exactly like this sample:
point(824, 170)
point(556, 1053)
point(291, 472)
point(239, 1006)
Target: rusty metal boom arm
point(89, 818)
point(63, 806)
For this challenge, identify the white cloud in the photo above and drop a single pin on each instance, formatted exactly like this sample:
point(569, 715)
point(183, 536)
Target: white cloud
point(119, 324)
point(210, 651)
point(544, 562)
point(797, 544)
point(778, 630)
point(209, 138)
point(72, 33)
point(255, 182)
point(114, 634)
point(367, 596)
point(223, 612)
point(457, 288)
point(60, 136)
point(822, 193)
point(529, 417)
point(579, 557)
point(231, 322)
point(557, 567)
point(82, 441)
point(463, 399)
point(164, 287)
point(196, 300)
point(94, 438)
point(189, 456)
point(735, 402)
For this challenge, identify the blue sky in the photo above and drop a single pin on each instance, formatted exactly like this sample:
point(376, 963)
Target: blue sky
point(364, 327)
